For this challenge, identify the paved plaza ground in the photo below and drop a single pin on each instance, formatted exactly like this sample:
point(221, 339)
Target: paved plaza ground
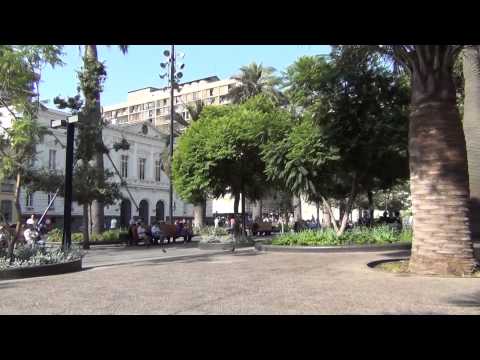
point(185, 280)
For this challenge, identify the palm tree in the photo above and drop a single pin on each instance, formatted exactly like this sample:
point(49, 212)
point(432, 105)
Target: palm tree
point(194, 110)
point(92, 101)
point(253, 80)
point(442, 242)
point(471, 125)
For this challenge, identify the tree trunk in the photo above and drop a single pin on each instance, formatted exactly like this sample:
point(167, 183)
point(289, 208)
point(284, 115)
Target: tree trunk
point(471, 125)
point(318, 212)
point(18, 209)
point(86, 235)
point(371, 206)
point(198, 210)
point(347, 207)
point(98, 211)
point(244, 230)
point(442, 241)
point(328, 210)
point(327, 219)
point(236, 200)
point(297, 208)
point(257, 209)
point(90, 222)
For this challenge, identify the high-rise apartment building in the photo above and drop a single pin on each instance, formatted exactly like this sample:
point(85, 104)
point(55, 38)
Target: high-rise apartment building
point(153, 104)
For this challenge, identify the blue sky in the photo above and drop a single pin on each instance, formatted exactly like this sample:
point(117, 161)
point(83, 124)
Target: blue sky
point(140, 67)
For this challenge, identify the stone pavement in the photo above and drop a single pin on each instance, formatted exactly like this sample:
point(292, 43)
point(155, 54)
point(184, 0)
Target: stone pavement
point(244, 282)
point(107, 255)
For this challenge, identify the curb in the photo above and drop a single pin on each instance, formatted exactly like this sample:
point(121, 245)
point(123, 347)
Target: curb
point(330, 249)
point(41, 270)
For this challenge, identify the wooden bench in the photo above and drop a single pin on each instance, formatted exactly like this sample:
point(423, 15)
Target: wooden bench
point(259, 228)
point(170, 231)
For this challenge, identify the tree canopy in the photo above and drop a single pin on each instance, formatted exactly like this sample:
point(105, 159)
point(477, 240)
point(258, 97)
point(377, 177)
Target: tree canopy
point(220, 153)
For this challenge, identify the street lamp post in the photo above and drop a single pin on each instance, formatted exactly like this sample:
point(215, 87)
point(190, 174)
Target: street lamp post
point(67, 209)
point(173, 77)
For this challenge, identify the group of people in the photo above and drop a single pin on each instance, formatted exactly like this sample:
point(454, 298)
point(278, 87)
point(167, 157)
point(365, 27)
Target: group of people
point(389, 218)
point(33, 231)
point(139, 231)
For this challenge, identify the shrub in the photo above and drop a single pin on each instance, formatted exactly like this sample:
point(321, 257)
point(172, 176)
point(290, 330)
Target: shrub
point(211, 231)
point(108, 236)
point(357, 236)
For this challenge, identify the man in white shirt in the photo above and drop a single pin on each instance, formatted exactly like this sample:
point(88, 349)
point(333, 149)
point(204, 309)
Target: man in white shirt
point(216, 221)
point(142, 233)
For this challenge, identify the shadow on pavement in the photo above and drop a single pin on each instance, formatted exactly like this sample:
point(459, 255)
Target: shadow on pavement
point(472, 300)
point(403, 253)
point(6, 285)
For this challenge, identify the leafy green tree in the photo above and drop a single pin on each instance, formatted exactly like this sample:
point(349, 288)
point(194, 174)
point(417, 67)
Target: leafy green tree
point(353, 125)
point(90, 183)
point(220, 153)
point(20, 71)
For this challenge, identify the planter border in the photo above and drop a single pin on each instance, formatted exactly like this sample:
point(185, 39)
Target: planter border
point(330, 249)
point(41, 270)
point(221, 246)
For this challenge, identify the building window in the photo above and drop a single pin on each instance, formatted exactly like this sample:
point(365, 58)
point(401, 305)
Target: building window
point(141, 168)
point(29, 200)
point(211, 92)
point(49, 199)
point(52, 154)
point(124, 166)
point(157, 170)
point(194, 96)
point(164, 102)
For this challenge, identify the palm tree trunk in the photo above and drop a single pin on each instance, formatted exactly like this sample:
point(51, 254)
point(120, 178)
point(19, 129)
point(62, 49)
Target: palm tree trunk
point(439, 185)
point(98, 213)
point(471, 125)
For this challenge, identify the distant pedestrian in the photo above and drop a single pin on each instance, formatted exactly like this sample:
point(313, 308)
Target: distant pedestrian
point(113, 224)
point(132, 233)
point(216, 221)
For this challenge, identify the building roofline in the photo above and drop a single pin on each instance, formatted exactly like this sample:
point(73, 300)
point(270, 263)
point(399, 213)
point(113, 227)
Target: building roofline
point(208, 78)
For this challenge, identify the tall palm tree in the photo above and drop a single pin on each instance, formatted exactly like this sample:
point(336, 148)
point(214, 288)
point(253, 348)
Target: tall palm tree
point(194, 110)
point(442, 242)
point(92, 101)
point(255, 79)
point(471, 125)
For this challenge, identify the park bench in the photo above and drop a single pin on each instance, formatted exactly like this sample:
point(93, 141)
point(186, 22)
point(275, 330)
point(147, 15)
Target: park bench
point(261, 227)
point(170, 231)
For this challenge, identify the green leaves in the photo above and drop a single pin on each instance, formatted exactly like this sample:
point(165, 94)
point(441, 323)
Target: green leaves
point(221, 151)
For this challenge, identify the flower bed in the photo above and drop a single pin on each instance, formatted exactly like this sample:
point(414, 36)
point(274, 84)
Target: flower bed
point(29, 262)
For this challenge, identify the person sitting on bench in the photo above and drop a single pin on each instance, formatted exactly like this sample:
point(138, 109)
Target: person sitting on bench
point(142, 233)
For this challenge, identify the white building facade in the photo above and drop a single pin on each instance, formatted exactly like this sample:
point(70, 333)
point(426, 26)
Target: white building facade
point(139, 166)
